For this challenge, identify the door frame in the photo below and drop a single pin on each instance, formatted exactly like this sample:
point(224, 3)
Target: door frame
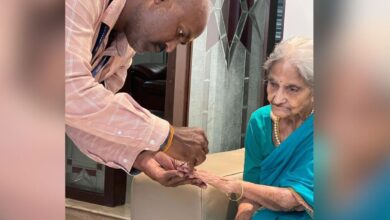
point(178, 85)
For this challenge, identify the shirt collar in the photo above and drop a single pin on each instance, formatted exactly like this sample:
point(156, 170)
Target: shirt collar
point(118, 47)
point(112, 12)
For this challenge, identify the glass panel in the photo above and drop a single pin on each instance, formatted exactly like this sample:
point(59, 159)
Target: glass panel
point(245, 37)
point(225, 45)
point(229, 72)
point(225, 14)
point(240, 25)
point(221, 23)
point(212, 30)
point(218, 3)
point(82, 172)
point(279, 21)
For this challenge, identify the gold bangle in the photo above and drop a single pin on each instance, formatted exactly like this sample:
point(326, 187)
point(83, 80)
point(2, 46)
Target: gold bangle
point(169, 143)
point(240, 197)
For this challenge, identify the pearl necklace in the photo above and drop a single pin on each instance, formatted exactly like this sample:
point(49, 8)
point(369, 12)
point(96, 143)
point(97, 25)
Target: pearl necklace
point(276, 127)
point(276, 131)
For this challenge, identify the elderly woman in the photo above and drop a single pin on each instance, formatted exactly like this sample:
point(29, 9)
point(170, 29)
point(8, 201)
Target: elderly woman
point(278, 170)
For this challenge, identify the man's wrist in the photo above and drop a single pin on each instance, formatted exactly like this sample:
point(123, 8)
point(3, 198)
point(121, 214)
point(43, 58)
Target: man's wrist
point(138, 163)
point(134, 171)
point(168, 141)
point(162, 146)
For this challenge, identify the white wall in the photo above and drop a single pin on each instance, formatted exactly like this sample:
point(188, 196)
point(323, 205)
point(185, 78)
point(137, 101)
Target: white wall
point(298, 18)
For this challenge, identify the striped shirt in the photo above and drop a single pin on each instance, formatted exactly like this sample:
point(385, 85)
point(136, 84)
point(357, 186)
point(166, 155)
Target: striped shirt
point(109, 127)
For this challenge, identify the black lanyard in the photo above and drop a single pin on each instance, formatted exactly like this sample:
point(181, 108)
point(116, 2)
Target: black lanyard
point(104, 28)
point(102, 34)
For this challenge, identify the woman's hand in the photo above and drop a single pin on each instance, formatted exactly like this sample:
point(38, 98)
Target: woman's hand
point(220, 183)
point(244, 215)
point(246, 209)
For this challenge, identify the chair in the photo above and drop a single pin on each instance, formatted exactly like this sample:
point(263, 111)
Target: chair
point(150, 200)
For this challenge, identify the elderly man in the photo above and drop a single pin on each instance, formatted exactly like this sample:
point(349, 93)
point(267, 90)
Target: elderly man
point(111, 128)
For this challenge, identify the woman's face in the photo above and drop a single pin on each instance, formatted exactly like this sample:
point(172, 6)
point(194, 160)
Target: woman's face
point(288, 92)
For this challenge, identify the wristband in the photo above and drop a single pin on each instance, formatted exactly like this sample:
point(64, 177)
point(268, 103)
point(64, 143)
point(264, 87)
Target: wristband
point(168, 144)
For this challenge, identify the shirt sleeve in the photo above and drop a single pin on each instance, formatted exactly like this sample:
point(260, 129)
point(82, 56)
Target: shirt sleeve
point(109, 128)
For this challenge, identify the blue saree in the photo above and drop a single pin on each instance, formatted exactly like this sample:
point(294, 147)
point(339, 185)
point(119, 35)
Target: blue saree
point(290, 165)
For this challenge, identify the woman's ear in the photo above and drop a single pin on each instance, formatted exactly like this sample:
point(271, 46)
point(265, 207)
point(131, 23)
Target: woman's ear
point(312, 96)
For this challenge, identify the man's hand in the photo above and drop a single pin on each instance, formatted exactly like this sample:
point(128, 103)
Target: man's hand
point(190, 145)
point(165, 170)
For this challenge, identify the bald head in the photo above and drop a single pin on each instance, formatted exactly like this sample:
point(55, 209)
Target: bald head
point(197, 10)
point(194, 15)
point(156, 25)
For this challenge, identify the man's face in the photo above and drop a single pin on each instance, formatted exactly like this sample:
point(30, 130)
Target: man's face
point(162, 26)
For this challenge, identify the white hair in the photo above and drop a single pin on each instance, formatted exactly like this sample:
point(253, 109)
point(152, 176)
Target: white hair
point(298, 51)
